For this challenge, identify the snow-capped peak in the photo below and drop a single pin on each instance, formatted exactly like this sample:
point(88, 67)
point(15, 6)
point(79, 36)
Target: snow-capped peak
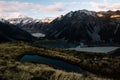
point(92, 13)
point(87, 12)
point(22, 16)
point(70, 14)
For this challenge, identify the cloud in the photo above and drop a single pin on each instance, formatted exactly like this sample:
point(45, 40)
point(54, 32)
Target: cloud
point(113, 7)
point(54, 7)
point(98, 6)
point(109, 6)
point(12, 15)
point(103, 6)
point(12, 7)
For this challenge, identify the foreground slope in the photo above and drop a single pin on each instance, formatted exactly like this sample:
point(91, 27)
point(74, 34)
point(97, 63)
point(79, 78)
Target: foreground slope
point(11, 68)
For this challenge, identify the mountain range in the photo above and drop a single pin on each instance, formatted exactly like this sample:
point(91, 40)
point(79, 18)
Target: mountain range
point(31, 25)
point(75, 26)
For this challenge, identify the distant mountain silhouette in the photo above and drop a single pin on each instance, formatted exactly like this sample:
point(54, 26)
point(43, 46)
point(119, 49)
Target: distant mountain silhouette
point(9, 32)
point(31, 25)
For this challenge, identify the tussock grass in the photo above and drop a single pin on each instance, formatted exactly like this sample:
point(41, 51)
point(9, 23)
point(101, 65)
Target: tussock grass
point(103, 65)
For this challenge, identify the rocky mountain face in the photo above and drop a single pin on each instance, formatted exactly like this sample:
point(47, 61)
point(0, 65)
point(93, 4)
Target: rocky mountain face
point(9, 32)
point(86, 26)
point(31, 25)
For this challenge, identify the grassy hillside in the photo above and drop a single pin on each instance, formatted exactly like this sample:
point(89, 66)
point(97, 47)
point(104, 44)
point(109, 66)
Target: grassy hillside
point(100, 66)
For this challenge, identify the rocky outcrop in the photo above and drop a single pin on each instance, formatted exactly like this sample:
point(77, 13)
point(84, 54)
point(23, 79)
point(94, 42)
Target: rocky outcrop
point(87, 26)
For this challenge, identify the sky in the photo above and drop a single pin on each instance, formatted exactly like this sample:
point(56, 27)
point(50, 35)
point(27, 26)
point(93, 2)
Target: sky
point(52, 8)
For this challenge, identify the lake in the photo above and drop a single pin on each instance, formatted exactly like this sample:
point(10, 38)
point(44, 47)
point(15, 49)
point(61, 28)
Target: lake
point(82, 47)
point(54, 62)
point(95, 49)
point(38, 35)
